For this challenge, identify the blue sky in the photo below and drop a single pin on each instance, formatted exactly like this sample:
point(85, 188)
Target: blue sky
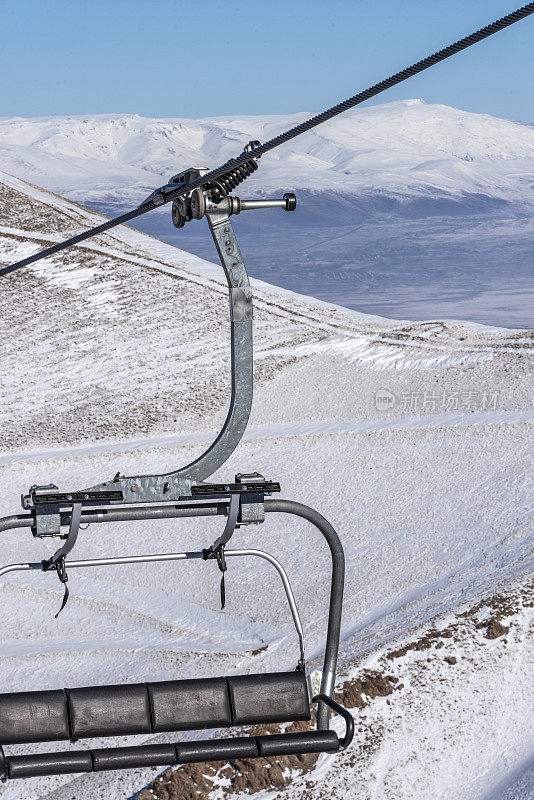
point(167, 58)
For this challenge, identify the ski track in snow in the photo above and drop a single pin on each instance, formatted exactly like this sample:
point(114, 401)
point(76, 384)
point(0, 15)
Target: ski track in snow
point(283, 429)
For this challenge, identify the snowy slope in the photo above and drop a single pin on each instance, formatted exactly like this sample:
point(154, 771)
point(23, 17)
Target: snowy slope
point(413, 438)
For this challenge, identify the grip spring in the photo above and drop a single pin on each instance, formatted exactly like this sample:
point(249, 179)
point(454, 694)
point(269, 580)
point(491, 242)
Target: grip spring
point(226, 183)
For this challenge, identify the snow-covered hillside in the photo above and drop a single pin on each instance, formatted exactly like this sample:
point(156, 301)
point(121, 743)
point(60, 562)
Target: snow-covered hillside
point(404, 149)
point(413, 438)
point(405, 209)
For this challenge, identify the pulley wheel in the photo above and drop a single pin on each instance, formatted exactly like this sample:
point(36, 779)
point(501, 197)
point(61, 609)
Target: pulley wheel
point(178, 218)
point(185, 208)
point(198, 204)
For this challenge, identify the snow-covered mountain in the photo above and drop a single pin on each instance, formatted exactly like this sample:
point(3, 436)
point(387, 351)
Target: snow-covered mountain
point(404, 150)
point(114, 356)
point(405, 209)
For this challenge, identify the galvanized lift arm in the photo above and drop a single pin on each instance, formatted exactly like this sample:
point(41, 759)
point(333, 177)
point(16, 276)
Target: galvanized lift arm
point(187, 482)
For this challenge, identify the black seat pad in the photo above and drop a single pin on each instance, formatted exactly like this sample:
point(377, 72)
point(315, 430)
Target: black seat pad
point(28, 717)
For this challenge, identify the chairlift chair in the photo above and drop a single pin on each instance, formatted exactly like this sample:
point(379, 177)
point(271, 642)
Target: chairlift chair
point(183, 705)
point(207, 703)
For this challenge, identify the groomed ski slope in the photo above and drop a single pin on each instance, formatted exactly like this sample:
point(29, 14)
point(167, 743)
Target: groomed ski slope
point(414, 439)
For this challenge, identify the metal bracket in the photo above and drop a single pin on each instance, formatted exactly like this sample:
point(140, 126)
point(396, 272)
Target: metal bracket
point(253, 486)
point(314, 680)
point(47, 519)
point(187, 482)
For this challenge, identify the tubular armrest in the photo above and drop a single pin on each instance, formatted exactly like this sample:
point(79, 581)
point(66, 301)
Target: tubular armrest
point(343, 712)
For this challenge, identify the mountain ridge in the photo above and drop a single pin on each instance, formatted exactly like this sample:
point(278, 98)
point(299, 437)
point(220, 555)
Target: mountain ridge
point(401, 147)
point(405, 210)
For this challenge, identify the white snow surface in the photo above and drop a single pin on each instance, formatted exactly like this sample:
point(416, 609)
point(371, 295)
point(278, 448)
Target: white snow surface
point(414, 439)
point(403, 148)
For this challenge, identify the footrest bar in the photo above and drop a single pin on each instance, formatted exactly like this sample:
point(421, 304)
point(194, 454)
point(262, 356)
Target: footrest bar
point(64, 763)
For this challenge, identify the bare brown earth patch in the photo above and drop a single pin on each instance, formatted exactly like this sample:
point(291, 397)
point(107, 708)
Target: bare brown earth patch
point(486, 614)
point(495, 629)
point(354, 692)
point(197, 781)
point(425, 642)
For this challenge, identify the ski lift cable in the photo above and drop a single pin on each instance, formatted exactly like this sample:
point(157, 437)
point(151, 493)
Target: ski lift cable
point(164, 195)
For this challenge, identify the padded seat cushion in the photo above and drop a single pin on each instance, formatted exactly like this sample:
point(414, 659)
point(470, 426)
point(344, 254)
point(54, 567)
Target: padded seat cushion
point(27, 717)
point(109, 711)
point(189, 705)
point(275, 697)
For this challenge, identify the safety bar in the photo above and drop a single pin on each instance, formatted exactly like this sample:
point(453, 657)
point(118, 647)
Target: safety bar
point(142, 559)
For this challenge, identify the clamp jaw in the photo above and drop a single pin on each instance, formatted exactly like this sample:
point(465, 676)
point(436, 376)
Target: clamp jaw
point(197, 203)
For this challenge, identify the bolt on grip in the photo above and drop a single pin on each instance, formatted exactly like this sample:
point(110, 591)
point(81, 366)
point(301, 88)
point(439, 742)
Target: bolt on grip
point(291, 201)
point(194, 207)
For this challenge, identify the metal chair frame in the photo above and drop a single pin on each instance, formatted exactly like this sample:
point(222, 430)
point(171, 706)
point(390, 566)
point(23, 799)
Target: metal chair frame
point(185, 493)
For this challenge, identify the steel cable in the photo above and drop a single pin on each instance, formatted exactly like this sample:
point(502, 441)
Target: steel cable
point(361, 97)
